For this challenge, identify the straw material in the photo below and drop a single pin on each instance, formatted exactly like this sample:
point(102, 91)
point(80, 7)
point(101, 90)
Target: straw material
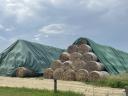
point(69, 75)
point(94, 66)
point(56, 64)
point(79, 64)
point(65, 56)
point(76, 56)
point(24, 72)
point(89, 56)
point(83, 48)
point(58, 73)
point(48, 73)
point(98, 75)
point(72, 48)
point(82, 75)
point(67, 65)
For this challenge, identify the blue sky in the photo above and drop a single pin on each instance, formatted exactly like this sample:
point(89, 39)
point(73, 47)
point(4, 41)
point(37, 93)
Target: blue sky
point(60, 22)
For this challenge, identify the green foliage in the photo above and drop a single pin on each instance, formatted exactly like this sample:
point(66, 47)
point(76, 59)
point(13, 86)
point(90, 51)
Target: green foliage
point(6, 91)
point(114, 81)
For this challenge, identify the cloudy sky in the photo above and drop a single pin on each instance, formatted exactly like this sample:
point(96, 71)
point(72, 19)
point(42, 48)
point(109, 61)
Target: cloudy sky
point(60, 22)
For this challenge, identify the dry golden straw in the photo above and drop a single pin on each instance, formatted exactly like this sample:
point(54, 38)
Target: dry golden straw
point(72, 48)
point(82, 75)
point(24, 72)
point(94, 66)
point(76, 56)
point(56, 64)
point(58, 73)
point(98, 75)
point(48, 73)
point(69, 75)
point(67, 65)
point(83, 48)
point(89, 56)
point(65, 56)
point(79, 64)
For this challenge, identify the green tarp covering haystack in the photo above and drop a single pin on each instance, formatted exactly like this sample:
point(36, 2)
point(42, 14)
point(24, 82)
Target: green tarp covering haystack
point(37, 58)
point(115, 61)
point(26, 54)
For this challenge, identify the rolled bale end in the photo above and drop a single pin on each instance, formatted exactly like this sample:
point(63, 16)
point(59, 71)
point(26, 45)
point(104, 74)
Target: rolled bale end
point(48, 73)
point(67, 65)
point(56, 64)
point(83, 48)
point(58, 74)
point(24, 72)
point(89, 56)
point(72, 49)
point(69, 75)
point(65, 56)
point(79, 64)
point(98, 75)
point(76, 56)
point(94, 66)
point(82, 75)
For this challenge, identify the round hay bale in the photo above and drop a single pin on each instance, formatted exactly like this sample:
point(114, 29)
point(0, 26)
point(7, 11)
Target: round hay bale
point(24, 72)
point(98, 75)
point(67, 65)
point(89, 56)
point(48, 73)
point(94, 66)
point(69, 75)
point(72, 48)
point(76, 56)
point(79, 64)
point(65, 56)
point(58, 73)
point(83, 48)
point(82, 75)
point(56, 64)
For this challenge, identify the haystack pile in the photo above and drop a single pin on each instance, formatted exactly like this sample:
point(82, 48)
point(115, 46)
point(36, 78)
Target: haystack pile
point(78, 63)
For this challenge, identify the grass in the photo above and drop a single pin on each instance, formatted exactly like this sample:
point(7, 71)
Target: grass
point(7, 91)
point(114, 81)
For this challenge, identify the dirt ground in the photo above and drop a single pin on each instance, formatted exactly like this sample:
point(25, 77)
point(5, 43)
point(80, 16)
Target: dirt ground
point(38, 83)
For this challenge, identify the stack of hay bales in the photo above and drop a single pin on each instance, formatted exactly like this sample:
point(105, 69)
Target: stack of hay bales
point(78, 63)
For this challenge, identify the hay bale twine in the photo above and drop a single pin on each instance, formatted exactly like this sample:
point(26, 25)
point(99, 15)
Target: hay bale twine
point(48, 73)
point(98, 75)
point(56, 64)
point(82, 75)
point(24, 72)
point(94, 66)
point(58, 73)
point(83, 48)
point(79, 64)
point(69, 75)
point(89, 56)
point(65, 56)
point(76, 56)
point(67, 65)
point(72, 48)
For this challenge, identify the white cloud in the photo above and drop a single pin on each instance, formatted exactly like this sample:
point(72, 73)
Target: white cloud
point(37, 37)
point(52, 29)
point(22, 9)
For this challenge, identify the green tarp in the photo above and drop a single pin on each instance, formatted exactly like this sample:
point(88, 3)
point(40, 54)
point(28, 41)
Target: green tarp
point(31, 55)
point(115, 61)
